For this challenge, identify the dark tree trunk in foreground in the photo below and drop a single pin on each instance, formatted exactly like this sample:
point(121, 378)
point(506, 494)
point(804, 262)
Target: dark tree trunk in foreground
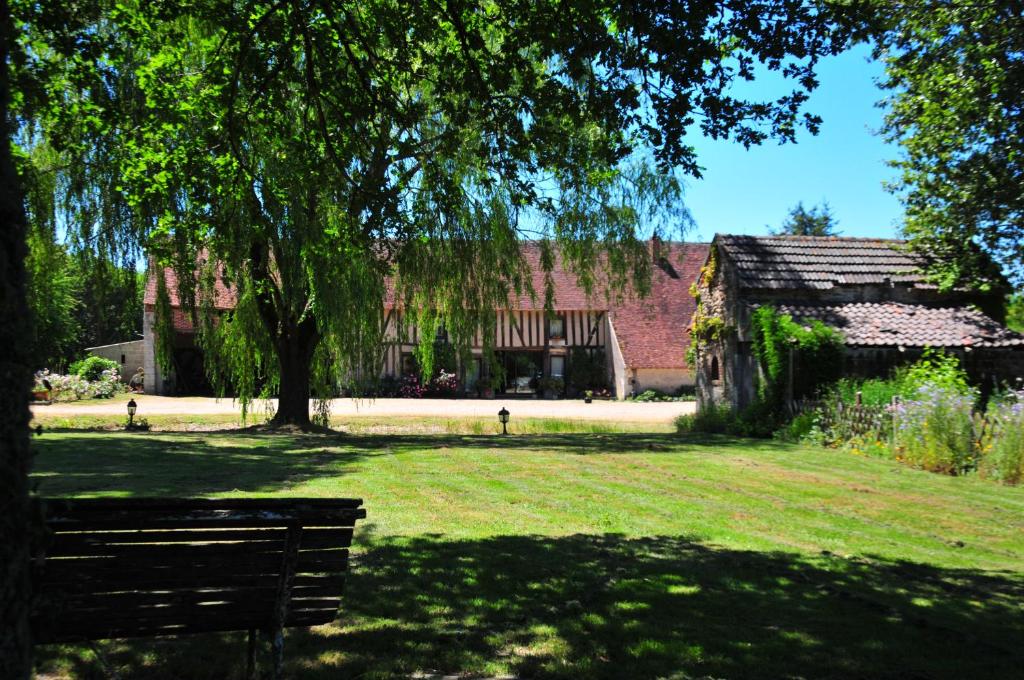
point(15, 379)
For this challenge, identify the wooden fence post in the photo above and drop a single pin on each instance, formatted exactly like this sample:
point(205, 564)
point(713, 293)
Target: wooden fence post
point(895, 415)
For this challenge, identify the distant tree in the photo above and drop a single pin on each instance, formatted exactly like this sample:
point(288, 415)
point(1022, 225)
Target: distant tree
point(110, 307)
point(818, 221)
point(956, 75)
point(1015, 312)
point(54, 290)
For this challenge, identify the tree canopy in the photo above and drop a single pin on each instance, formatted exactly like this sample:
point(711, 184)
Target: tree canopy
point(319, 158)
point(956, 72)
point(818, 221)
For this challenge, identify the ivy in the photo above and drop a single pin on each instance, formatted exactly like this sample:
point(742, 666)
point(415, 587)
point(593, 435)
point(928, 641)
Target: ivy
point(817, 352)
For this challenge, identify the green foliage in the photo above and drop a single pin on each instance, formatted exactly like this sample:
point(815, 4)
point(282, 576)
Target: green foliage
point(54, 290)
point(1001, 443)
point(92, 367)
point(710, 420)
point(1015, 312)
point(318, 151)
point(682, 394)
point(874, 391)
point(936, 426)
point(935, 368)
point(818, 221)
point(755, 421)
point(817, 351)
point(587, 370)
point(955, 71)
point(934, 430)
point(800, 428)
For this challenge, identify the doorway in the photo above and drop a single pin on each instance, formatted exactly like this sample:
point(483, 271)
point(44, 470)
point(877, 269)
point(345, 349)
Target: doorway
point(521, 371)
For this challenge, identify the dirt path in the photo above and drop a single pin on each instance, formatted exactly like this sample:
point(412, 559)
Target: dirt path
point(569, 409)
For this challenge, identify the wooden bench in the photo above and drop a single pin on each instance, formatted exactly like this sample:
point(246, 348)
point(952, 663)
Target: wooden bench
point(144, 567)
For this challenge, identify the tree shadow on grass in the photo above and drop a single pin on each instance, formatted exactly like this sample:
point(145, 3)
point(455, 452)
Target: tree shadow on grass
point(608, 606)
point(569, 442)
point(182, 465)
point(201, 463)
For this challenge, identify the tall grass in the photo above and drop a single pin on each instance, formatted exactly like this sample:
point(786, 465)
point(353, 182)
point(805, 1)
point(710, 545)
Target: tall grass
point(935, 430)
point(1002, 442)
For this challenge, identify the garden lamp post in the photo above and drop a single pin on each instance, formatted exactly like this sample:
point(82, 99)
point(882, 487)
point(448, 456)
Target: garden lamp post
point(132, 407)
point(503, 417)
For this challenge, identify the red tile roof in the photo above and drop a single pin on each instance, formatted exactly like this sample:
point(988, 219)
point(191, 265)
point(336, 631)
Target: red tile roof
point(224, 296)
point(652, 332)
point(896, 324)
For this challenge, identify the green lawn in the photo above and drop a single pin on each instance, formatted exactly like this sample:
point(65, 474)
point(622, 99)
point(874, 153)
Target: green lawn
point(611, 555)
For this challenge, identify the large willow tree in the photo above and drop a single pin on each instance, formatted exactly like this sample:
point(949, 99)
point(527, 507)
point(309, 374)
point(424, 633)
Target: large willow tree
point(318, 157)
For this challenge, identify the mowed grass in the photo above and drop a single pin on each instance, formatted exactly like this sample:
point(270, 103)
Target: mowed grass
point(186, 422)
point(597, 554)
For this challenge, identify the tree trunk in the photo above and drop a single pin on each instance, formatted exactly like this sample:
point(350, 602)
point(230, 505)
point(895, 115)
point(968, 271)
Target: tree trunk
point(295, 356)
point(15, 386)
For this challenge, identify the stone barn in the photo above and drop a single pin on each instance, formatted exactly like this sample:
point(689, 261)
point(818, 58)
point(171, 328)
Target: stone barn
point(870, 290)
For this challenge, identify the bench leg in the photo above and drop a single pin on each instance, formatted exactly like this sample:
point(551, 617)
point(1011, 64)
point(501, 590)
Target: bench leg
point(250, 663)
point(277, 649)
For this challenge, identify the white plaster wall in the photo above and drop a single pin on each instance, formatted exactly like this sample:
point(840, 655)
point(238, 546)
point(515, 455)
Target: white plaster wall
point(665, 379)
point(618, 364)
point(154, 380)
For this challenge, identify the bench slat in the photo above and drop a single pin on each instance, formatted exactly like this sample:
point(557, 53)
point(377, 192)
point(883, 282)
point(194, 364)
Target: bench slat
point(147, 567)
point(125, 542)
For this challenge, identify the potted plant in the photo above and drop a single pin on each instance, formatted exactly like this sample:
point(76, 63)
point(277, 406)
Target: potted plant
point(588, 396)
point(552, 386)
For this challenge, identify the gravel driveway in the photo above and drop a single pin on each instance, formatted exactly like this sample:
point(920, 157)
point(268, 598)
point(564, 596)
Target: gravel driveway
point(569, 409)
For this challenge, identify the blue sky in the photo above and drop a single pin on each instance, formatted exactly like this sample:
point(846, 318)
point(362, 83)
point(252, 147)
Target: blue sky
point(746, 192)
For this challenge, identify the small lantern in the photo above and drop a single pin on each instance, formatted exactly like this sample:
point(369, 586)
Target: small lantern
point(503, 417)
point(132, 407)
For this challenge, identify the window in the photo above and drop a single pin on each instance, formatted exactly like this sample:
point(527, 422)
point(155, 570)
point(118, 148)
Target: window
point(122, 359)
point(715, 375)
point(442, 334)
point(473, 372)
point(408, 364)
point(556, 327)
point(557, 367)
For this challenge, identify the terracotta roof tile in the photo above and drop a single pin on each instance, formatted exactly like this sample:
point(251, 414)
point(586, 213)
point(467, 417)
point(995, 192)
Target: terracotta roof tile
point(652, 332)
point(907, 325)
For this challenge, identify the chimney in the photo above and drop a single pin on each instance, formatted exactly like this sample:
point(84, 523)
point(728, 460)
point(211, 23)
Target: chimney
point(655, 248)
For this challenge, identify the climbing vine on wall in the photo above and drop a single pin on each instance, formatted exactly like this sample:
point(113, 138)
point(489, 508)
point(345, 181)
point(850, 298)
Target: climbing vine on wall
point(817, 355)
point(704, 328)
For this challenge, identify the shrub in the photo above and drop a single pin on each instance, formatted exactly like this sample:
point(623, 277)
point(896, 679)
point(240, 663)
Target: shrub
point(710, 420)
point(934, 430)
point(446, 384)
point(587, 369)
point(73, 387)
point(874, 392)
point(411, 388)
point(935, 368)
point(1001, 446)
point(657, 395)
point(92, 367)
point(800, 428)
